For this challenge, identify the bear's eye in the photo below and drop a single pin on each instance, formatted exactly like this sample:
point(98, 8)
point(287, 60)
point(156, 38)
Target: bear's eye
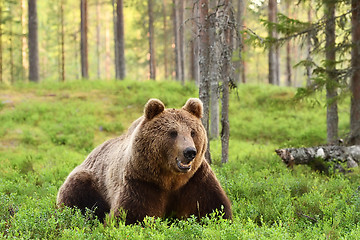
point(192, 133)
point(173, 134)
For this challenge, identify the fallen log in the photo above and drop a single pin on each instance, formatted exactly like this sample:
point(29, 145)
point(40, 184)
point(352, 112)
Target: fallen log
point(321, 154)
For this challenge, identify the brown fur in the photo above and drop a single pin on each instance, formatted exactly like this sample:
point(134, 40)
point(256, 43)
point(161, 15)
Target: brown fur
point(150, 170)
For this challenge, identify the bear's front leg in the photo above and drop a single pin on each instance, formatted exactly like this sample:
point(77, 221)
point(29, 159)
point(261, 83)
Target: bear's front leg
point(140, 199)
point(201, 196)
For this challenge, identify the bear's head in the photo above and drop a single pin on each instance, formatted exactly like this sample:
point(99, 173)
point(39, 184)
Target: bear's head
point(172, 141)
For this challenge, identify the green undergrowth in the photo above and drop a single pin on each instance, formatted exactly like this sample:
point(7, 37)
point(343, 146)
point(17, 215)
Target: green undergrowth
point(48, 129)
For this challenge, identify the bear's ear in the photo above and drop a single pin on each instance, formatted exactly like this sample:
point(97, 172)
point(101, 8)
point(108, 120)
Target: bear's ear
point(194, 106)
point(152, 108)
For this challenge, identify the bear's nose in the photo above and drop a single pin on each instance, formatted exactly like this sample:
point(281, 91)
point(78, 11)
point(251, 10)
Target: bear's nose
point(190, 153)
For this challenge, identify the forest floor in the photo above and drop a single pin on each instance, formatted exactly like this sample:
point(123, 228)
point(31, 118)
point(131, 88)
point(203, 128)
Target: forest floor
point(48, 129)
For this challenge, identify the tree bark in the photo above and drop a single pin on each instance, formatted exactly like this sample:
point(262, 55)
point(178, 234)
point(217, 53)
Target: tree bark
point(182, 41)
point(62, 41)
point(33, 42)
point(120, 39)
point(308, 45)
point(241, 66)
point(194, 56)
point(288, 51)
point(1, 50)
point(98, 71)
point(355, 78)
point(178, 20)
point(116, 51)
point(272, 48)
point(24, 46)
point(331, 83)
point(83, 44)
point(214, 76)
point(227, 74)
point(308, 156)
point(204, 85)
point(165, 40)
point(107, 50)
point(152, 68)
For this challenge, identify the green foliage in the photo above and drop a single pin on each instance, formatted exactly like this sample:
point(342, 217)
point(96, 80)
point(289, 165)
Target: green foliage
point(48, 129)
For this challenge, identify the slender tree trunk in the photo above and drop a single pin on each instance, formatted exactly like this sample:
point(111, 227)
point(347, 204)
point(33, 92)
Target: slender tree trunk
point(227, 74)
point(165, 40)
point(195, 44)
point(24, 46)
point(308, 67)
point(204, 85)
point(107, 50)
point(62, 41)
point(152, 68)
point(177, 49)
point(272, 48)
point(182, 41)
point(116, 50)
point(241, 66)
point(277, 50)
point(288, 51)
point(120, 39)
point(1, 50)
point(33, 42)
point(214, 76)
point(11, 50)
point(98, 71)
point(83, 44)
point(331, 88)
point(355, 78)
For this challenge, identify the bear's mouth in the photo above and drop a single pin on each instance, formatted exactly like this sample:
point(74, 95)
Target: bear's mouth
point(183, 167)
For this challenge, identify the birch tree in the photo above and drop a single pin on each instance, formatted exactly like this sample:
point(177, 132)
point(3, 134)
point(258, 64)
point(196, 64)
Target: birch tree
point(204, 84)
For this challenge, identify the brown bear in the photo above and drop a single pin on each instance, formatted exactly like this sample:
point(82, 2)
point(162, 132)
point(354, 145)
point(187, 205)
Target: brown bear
point(157, 168)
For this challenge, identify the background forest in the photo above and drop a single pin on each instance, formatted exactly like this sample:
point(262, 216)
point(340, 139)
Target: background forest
point(282, 73)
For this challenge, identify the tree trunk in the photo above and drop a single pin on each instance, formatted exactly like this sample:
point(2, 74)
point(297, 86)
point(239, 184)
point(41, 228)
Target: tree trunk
point(11, 50)
point(116, 50)
point(83, 44)
point(165, 40)
point(241, 66)
point(152, 68)
point(308, 67)
point(120, 39)
point(62, 43)
point(107, 51)
point(312, 155)
point(33, 42)
point(204, 85)
point(272, 48)
point(214, 76)
point(98, 71)
point(178, 19)
point(288, 51)
point(24, 46)
point(355, 78)
point(331, 88)
point(182, 41)
point(227, 74)
point(1, 50)
point(194, 56)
